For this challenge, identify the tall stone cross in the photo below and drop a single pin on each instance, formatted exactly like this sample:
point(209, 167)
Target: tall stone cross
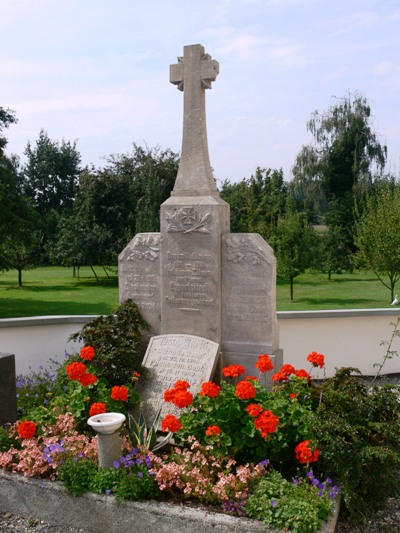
point(193, 74)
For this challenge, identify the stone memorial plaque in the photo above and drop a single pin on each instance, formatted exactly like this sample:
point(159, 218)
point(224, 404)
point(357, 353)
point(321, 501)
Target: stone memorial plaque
point(170, 358)
point(8, 392)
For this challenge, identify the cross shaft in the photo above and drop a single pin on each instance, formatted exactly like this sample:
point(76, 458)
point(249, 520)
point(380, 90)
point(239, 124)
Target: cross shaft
point(193, 74)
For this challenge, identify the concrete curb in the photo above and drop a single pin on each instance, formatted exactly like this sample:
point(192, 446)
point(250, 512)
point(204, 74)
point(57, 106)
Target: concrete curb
point(49, 501)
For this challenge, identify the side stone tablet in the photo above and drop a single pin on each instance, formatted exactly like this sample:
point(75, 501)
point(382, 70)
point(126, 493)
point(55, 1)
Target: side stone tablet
point(139, 276)
point(249, 322)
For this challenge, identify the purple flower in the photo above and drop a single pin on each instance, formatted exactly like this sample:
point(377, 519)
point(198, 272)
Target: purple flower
point(274, 503)
point(295, 481)
point(108, 492)
point(116, 464)
point(310, 474)
point(140, 474)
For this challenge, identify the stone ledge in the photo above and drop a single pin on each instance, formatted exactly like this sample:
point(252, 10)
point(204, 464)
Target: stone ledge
point(49, 501)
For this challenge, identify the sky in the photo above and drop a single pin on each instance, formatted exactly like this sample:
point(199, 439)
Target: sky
point(97, 72)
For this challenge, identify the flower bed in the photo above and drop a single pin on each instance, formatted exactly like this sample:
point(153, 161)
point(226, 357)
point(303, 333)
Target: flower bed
point(277, 456)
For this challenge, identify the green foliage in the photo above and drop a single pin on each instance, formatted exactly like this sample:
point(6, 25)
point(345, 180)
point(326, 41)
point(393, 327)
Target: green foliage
point(141, 435)
point(336, 257)
point(378, 235)
point(130, 479)
point(300, 506)
point(256, 203)
point(357, 431)
point(117, 339)
point(7, 117)
point(77, 475)
point(50, 177)
point(6, 440)
point(296, 246)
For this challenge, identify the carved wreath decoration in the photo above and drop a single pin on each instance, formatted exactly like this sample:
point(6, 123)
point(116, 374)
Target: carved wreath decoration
point(188, 219)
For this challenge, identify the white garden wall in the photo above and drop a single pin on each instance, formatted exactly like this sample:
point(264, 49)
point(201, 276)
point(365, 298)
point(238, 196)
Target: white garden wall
point(346, 338)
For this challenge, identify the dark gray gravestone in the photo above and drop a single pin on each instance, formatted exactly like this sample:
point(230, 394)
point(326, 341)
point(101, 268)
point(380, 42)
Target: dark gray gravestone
point(8, 392)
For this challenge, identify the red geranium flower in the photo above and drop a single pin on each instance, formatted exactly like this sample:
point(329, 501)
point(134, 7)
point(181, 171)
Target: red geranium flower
point(87, 352)
point(233, 371)
point(316, 359)
point(27, 429)
point(304, 454)
point(169, 395)
point(181, 385)
point(245, 390)
point(170, 423)
point(97, 408)
point(119, 393)
point(279, 376)
point(254, 409)
point(209, 388)
point(266, 422)
point(87, 379)
point(287, 370)
point(301, 373)
point(182, 398)
point(75, 370)
point(264, 363)
point(213, 431)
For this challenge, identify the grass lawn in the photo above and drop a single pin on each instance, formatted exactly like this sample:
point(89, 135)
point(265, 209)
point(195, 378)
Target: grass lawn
point(54, 291)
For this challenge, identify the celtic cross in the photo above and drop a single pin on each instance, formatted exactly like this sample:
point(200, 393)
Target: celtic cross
point(193, 74)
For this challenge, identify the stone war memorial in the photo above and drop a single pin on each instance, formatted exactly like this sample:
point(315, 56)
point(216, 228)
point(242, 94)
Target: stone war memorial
point(194, 278)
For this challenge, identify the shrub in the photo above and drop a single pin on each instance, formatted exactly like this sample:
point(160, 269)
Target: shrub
point(117, 340)
point(358, 435)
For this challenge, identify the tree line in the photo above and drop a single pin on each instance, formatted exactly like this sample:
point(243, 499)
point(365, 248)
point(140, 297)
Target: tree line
point(340, 210)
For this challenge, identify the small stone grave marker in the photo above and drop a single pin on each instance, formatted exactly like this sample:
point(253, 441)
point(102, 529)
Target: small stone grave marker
point(170, 358)
point(8, 392)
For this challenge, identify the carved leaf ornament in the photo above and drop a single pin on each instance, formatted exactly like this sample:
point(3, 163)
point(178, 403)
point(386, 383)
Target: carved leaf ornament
point(146, 248)
point(243, 250)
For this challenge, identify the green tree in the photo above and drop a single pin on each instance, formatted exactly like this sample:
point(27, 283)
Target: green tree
point(378, 235)
point(114, 203)
point(17, 220)
point(335, 256)
point(256, 203)
point(295, 244)
point(49, 178)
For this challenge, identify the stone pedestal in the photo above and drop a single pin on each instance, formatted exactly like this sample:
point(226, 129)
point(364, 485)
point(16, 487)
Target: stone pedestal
point(191, 265)
point(109, 449)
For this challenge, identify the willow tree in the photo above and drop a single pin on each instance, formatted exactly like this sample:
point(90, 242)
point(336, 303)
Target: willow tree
point(346, 156)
